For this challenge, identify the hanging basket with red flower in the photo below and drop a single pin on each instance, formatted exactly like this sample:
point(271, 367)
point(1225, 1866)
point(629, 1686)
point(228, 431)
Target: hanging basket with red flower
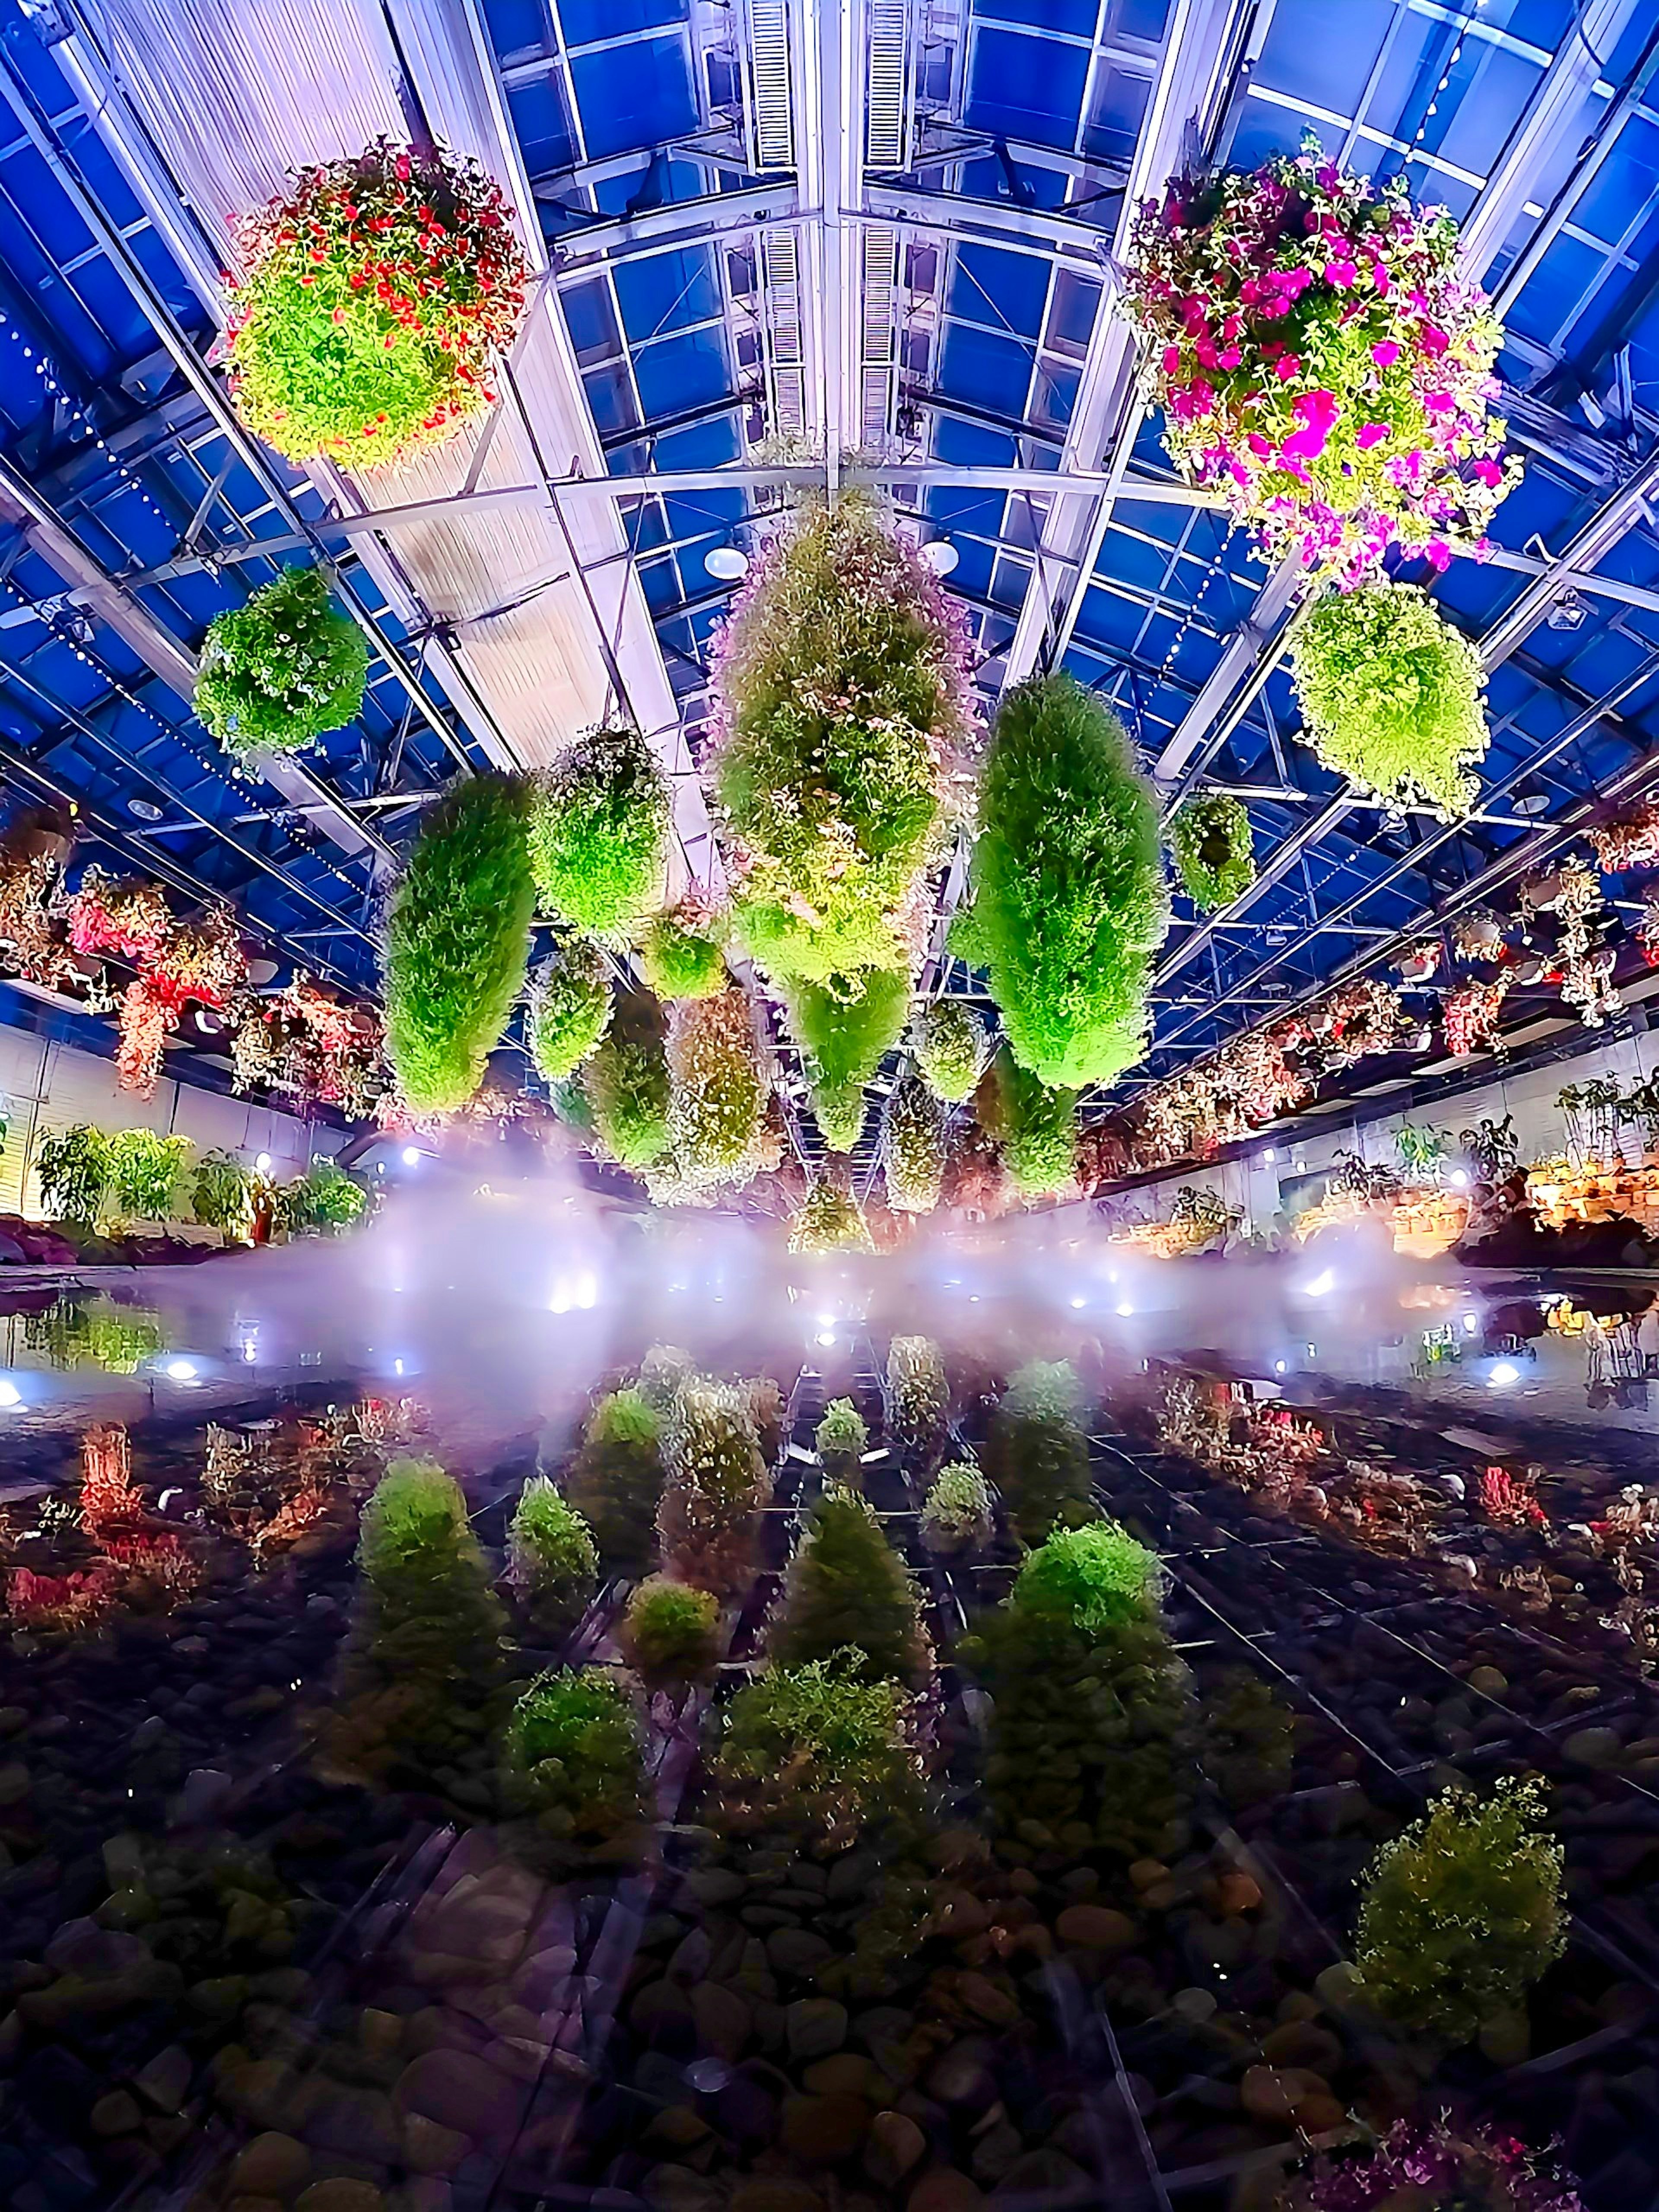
point(376, 300)
point(1320, 362)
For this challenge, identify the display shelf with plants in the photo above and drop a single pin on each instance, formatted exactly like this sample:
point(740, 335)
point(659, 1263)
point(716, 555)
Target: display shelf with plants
point(373, 302)
point(599, 833)
point(458, 937)
point(281, 671)
point(1070, 902)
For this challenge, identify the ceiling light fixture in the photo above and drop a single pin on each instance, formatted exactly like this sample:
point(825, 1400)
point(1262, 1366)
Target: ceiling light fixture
point(728, 564)
point(940, 556)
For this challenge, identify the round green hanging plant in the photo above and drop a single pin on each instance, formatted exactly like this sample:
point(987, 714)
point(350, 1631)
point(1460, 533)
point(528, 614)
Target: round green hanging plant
point(458, 936)
point(1214, 858)
point(378, 295)
point(625, 1082)
point(950, 1043)
point(598, 832)
point(569, 1007)
point(682, 955)
point(279, 672)
point(1391, 695)
point(1070, 902)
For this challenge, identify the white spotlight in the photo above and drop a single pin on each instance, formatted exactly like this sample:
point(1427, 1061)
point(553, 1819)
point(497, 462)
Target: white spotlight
point(1270, 1156)
point(1459, 1179)
point(826, 1337)
point(1503, 1375)
point(940, 556)
point(181, 1371)
point(1320, 1285)
point(264, 1164)
point(1077, 1305)
point(412, 1156)
point(11, 1395)
point(1279, 1366)
point(1471, 1323)
point(1125, 1310)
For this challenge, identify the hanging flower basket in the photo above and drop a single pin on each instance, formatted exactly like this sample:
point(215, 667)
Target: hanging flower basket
point(1471, 1016)
point(128, 919)
point(376, 299)
point(1391, 696)
point(1320, 362)
point(281, 671)
point(1214, 858)
point(1629, 840)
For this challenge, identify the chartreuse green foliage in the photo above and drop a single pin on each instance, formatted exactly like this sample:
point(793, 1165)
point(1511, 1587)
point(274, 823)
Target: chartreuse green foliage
point(573, 1757)
point(422, 1680)
point(625, 1082)
point(822, 1746)
point(913, 1146)
point(1391, 695)
point(830, 1219)
point(956, 1513)
point(662, 1370)
point(95, 1332)
point(1092, 1717)
point(1249, 1739)
point(848, 1588)
point(279, 672)
point(377, 295)
point(683, 956)
point(918, 1393)
point(842, 676)
point(146, 1175)
point(598, 832)
point(1214, 858)
point(222, 1196)
point(551, 1559)
point(841, 1439)
point(1070, 902)
point(845, 1030)
point(457, 940)
point(950, 1043)
point(1097, 1577)
point(615, 1480)
point(1035, 1127)
point(716, 1480)
point(671, 1631)
point(73, 1166)
point(1035, 1453)
point(324, 1197)
point(569, 1007)
point(1463, 1910)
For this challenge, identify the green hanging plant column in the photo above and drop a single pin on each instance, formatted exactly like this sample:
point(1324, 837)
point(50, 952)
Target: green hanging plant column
point(717, 1101)
point(569, 1007)
point(1070, 902)
point(913, 1146)
point(683, 952)
point(1035, 1127)
point(377, 296)
point(846, 1031)
point(1391, 695)
point(1214, 858)
point(846, 710)
point(625, 1083)
point(598, 832)
point(278, 673)
point(457, 937)
point(1035, 1453)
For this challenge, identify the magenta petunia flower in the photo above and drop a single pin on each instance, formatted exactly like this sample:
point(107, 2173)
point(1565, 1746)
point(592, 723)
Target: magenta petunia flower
point(1288, 367)
point(1372, 433)
point(1316, 412)
point(1385, 354)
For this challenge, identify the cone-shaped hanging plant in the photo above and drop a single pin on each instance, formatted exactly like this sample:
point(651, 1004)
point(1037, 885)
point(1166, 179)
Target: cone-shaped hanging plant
point(912, 1147)
point(280, 671)
point(848, 1591)
point(847, 708)
point(950, 1043)
point(569, 1007)
point(717, 1101)
point(1070, 902)
point(1391, 695)
point(845, 1034)
point(1035, 1127)
point(1210, 841)
point(626, 1084)
point(682, 953)
point(598, 832)
point(458, 937)
point(829, 1220)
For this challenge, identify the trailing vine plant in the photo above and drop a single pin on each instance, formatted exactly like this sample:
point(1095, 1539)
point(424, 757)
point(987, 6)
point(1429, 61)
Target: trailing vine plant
point(280, 672)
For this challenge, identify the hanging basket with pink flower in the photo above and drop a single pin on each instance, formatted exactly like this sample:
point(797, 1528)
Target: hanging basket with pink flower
point(1319, 361)
point(376, 300)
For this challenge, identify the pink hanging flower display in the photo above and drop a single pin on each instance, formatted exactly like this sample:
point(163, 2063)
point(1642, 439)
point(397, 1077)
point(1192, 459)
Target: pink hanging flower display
point(1320, 362)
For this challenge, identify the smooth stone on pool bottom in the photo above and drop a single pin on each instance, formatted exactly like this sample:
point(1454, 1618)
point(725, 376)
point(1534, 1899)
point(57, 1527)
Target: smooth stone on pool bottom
point(272, 2165)
point(1095, 1928)
point(824, 2128)
point(816, 2026)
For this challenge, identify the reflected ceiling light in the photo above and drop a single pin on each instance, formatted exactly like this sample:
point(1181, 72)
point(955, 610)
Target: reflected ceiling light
point(1470, 1324)
point(1280, 1366)
point(727, 564)
point(145, 809)
point(181, 1371)
point(1503, 1375)
point(826, 1337)
point(1077, 1305)
point(11, 1395)
point(264, 1164)
point(940, 556)
point(1125, 1312)
point(412, 1156)
point(1320, 1285)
